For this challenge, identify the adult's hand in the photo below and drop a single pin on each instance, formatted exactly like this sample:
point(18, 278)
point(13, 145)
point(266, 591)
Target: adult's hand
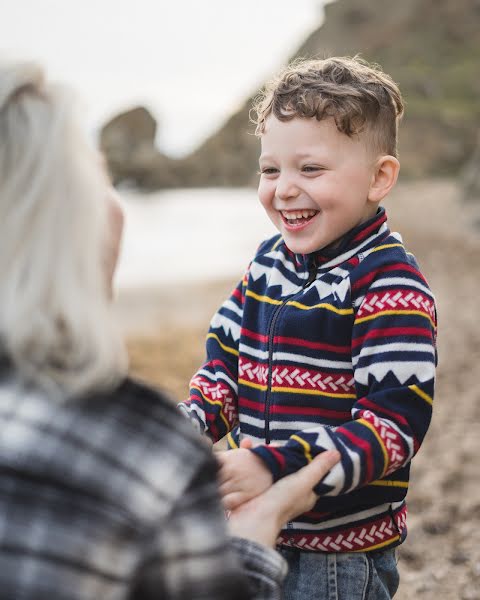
point(262, 518)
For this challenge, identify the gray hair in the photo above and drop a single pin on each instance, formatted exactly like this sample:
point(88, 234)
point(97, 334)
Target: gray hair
point(56, 326)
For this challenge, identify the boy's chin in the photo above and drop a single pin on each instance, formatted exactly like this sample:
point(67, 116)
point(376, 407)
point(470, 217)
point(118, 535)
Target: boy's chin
point(297, 248)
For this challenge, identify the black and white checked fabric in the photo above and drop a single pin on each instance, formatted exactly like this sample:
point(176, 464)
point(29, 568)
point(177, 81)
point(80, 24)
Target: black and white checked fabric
point(114, 496)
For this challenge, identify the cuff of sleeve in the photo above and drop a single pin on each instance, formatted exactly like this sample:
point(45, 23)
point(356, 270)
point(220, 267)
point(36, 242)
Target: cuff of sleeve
point(273, 459)
point(280, 461)
point(265, 568)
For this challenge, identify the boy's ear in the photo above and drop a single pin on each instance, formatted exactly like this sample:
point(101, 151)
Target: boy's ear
point(384, 177)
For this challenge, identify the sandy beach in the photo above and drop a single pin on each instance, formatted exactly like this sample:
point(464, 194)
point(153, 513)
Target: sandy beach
point(441, 557)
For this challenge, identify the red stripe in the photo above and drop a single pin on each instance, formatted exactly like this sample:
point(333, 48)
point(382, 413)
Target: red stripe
point(278, 457)
point(376, 409)
point(298, 410)
point(253, 335)
point(365, 281)
point(397, 418)
point(393, 332)
point(296, 342)
point(237, 294)
point(244, 402)
point(365, 446)
point(313, 345)
point(219, 363)
point(295, 410)
point(366, 232)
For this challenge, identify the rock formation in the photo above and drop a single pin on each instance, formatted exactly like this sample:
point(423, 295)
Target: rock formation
point(430, 47)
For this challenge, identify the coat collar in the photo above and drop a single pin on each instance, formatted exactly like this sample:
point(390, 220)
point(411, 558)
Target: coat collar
point(360, 238)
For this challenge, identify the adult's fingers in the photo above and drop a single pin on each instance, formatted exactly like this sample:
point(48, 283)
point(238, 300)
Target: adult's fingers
point(233, 500)
point(310, 475)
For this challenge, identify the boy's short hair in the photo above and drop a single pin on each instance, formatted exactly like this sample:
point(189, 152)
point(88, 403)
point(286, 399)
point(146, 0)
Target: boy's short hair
point(359, 96)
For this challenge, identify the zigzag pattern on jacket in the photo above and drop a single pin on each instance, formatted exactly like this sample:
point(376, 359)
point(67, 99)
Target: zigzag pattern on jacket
point(345, 361)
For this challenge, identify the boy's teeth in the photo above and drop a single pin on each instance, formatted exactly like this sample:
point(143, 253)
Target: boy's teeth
point(298, 214)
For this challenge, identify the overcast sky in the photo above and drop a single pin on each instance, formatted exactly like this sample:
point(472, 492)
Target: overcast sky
point(191, 62)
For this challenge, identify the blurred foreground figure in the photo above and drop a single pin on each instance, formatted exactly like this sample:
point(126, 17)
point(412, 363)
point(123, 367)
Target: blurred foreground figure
point(105, 490)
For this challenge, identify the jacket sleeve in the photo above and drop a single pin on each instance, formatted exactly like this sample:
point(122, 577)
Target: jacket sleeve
point(212, 404)
point(394, 359)
point(189, 555)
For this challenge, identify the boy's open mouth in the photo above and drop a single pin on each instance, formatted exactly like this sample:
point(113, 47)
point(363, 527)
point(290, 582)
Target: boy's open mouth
point(295, 218)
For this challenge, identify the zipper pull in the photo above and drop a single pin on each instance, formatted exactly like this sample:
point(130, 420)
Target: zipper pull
point(312, 272)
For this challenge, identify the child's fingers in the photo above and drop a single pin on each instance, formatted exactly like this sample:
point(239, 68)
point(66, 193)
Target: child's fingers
point(246, 443)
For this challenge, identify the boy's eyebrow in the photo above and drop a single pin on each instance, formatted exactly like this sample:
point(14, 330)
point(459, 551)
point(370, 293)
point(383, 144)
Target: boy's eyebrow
point(297, 155)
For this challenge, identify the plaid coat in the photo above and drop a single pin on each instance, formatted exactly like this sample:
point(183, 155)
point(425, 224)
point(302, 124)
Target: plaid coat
point(111, 497)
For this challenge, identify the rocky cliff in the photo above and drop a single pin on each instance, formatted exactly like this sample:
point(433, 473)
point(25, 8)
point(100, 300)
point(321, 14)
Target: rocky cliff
point(430, 47)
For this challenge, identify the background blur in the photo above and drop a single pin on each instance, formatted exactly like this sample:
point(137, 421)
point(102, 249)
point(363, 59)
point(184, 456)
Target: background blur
point(167, 87)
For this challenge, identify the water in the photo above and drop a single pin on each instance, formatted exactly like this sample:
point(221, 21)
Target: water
point(189, 236)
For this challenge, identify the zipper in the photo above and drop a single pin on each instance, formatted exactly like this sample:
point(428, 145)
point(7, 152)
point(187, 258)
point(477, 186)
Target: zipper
point(312, 274)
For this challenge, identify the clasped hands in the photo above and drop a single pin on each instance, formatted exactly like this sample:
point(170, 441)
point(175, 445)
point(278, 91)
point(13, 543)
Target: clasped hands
point(258, 508)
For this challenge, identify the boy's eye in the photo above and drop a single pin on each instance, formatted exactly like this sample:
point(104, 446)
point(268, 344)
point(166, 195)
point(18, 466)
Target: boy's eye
point(268, 171)
point(311, 169)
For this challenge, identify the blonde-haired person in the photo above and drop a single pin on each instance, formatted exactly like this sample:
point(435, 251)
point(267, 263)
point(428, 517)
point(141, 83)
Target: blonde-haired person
point(328, 342)
point(105, 490)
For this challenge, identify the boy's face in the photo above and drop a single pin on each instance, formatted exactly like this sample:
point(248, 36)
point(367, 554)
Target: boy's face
point(314, 182)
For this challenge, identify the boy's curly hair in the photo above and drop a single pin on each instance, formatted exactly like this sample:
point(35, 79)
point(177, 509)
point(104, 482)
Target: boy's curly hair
point(359, 96)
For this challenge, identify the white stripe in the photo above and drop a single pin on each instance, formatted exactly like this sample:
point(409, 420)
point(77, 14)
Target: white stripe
point(198, 410)
point(422, 371)
point(346, 255)
point(259, 423)
point(294, 426)
point(393, 347)
point(213, 377)
point(244, 349)
point(364, 514)
point(233, 307)
point(220, 321)
point(295, 358)
point(307, 360)
point(278, 255)
point(404, 282)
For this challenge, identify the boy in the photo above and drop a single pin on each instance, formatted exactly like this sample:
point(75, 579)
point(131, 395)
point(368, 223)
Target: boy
point(329, 340)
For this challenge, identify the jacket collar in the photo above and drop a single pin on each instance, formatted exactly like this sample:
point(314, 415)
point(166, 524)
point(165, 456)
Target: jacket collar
point(360, 238)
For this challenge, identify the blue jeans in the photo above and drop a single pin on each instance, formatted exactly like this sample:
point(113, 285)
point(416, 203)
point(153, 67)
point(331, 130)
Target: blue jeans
point(342, 576)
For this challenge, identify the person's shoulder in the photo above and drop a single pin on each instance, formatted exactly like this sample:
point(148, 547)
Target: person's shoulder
point(273, 243)
point(389, 251)
point(389, 259)
point(154, 409)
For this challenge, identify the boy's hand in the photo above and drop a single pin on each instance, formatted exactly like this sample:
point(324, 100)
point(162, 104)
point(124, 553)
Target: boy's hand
point(242, 476)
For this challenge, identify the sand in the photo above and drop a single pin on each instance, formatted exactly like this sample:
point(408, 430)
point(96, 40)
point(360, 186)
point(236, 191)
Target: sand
point(441, 557)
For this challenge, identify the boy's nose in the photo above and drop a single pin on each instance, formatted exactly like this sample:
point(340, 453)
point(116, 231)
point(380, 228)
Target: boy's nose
point(286, 187)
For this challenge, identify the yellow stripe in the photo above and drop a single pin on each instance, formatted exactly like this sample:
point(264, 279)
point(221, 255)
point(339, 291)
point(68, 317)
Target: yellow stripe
point(339, 311)
point(231, 441)
point(256, 386)
point(259, 386)
point(390, 483)
point(380, 441)
point(214, 336)
point(263, 298)
point(215, 402)
point(386, 246)
point(391, 541)
point(313, 392)
point(306, 447)
point(396, 312)
point(421, 393)
point(280, 239)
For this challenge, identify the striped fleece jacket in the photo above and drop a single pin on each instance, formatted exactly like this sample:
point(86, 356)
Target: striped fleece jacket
point(334, 349)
